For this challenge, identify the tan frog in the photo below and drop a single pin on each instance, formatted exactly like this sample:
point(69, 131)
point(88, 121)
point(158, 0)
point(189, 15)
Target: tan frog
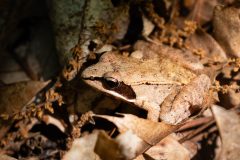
point(161, 86)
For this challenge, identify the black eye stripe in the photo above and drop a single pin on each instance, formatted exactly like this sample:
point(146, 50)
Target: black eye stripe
point(121, 88)
point(124, 90)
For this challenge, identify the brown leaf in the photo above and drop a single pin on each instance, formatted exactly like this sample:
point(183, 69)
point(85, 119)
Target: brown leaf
point(228, 122)
point(83, 148)
point(149, 131)
point(229, 87)
point(131, 145)
point(5, 157)
point(97, 145)
point(201, 40)
point(48, 119)
point(148, 26)
point(13, 97)
point(227, 30)
point(202, 10)
point(168, 148)
point(10, 70)
point(107, 148)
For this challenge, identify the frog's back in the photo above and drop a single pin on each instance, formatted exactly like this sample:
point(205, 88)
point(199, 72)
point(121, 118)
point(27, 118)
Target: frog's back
point(157, 71)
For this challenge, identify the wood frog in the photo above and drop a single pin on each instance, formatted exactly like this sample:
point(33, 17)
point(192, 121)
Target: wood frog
point(169, 91)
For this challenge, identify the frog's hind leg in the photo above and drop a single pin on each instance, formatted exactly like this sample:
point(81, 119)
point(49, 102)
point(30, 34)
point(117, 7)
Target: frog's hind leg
point(183, 103)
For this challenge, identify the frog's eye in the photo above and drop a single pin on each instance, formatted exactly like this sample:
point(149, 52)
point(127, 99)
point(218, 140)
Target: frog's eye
point(111, 83)
point(119, 87)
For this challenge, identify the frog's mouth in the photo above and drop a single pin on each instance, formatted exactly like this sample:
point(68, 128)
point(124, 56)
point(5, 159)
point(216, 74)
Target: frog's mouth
point(119, 90)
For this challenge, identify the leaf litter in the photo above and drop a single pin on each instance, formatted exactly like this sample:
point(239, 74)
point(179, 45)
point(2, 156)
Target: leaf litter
point(47, 112)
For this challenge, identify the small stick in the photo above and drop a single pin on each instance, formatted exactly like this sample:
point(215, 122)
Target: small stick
point(197, 131)
point(195, 123)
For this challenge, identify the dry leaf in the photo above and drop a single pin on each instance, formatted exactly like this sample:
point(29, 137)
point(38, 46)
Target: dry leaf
point(228, 122)
point(143, 133)
point(48, 119)
point(5, 157)
point(10, 70)
point(202, 10)
point(168, 148)
point(13, 97)
point(130, 144)
point(227, 30)
point(107, 148)
point(83, 148)
point(228, 83)
point(149, 131)
point(148, 26)
point(202, 41)
point(97, 145)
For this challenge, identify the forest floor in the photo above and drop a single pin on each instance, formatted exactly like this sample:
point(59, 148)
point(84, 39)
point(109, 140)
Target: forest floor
point(109, 79)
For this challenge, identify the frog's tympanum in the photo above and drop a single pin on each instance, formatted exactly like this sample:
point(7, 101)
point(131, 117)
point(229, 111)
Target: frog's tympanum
point(166, 89)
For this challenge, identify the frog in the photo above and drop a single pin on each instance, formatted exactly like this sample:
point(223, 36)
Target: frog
point(167, 90)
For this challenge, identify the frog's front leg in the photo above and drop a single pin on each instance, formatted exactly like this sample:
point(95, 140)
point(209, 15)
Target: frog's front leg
point(187, 101)
point(152, 109)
